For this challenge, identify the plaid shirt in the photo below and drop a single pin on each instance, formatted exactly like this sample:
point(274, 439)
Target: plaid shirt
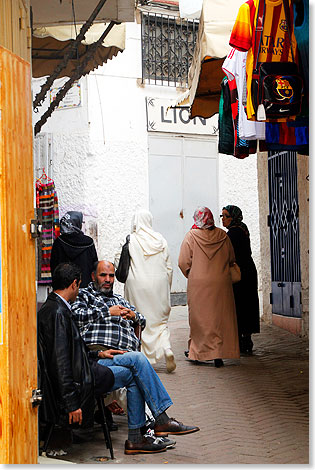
point(97, 326)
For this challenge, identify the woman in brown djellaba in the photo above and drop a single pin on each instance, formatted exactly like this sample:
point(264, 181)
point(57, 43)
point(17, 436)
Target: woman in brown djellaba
point(206, 255)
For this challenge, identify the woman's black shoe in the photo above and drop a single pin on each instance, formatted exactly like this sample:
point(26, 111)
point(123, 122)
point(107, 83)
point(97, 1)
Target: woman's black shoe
point(248, 344)
point(218, 363)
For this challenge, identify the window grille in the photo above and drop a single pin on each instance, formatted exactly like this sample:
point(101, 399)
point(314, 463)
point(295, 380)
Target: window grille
point(167, 49)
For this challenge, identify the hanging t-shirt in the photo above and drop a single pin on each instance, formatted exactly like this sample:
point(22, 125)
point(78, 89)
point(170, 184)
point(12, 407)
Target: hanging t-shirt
point(301, 31)
point(234, 66)
point(275, 45)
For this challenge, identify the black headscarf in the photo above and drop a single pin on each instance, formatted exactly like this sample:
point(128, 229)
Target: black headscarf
point(71, 222)
point(237, 217)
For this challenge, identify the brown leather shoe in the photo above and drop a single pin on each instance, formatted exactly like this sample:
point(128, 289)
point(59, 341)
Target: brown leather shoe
point(144, 447)
point(173, 427)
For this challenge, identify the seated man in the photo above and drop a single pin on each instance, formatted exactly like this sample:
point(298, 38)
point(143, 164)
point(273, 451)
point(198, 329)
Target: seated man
point(70, 376)
point(106, 320)
point(59, 337)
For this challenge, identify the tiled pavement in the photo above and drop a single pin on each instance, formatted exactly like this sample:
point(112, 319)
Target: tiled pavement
point(252, 411)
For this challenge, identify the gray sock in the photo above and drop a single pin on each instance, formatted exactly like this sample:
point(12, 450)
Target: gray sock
point(134, 435)
point(162, 418)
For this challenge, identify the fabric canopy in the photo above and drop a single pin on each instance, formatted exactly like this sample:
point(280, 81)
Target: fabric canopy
point(49, 45)
point(61, 12)
point(205, 74)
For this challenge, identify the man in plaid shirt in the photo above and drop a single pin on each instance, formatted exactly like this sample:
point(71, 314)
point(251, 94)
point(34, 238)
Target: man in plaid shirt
point(106, 320)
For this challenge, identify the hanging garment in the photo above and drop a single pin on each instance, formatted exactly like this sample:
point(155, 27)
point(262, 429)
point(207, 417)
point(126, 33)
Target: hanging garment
point(235, 67)
point(276, 44)
point(241, 147)
point(288, 136)
point(301, 32)
point(47, 205)
point(226, 132)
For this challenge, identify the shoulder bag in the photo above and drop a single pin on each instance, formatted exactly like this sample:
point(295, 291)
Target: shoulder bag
point(235, 273)
point(124, 262)
point(277, 87)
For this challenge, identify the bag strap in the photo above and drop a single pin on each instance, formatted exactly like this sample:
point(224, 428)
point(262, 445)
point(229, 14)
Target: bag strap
point(287, 17)
point(259, 30)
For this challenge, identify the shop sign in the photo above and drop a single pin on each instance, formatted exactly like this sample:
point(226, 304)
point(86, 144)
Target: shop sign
point(162, 118)
point(72, 98)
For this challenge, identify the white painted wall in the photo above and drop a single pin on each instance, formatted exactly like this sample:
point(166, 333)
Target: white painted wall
point(101, 153)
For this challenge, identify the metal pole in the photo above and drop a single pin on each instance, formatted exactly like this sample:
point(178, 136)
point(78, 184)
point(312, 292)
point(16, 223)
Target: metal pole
point(45, 87)
point(76, 75)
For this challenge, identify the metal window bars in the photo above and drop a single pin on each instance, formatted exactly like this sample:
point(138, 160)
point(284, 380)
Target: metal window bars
point(168, 44)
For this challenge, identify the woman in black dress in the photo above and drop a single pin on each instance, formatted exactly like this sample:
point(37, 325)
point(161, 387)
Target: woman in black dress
point(245, 291)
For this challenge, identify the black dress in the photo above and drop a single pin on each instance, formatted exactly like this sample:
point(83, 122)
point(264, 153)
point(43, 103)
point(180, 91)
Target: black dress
point(245, 291)
point(77, 248)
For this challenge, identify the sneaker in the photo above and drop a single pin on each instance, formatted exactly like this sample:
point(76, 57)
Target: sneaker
point(170, 444)
point(146, 446)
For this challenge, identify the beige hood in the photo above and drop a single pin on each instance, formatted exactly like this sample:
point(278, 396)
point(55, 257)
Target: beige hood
point(209, 241)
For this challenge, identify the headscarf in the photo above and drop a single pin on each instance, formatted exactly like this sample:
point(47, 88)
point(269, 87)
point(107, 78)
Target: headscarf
point(150, 241)
point(237, 217)
point(203, 218)
point(71, 222)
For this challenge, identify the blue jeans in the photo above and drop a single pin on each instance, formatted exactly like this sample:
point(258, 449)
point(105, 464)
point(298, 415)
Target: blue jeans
point(133, 371)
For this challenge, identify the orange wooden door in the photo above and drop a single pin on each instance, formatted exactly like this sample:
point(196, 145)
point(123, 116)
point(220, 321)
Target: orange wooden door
point(18, 358)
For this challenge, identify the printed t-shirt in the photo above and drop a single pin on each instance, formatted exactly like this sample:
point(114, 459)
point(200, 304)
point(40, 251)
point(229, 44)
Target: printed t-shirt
point(234, 66)
point(275, 45)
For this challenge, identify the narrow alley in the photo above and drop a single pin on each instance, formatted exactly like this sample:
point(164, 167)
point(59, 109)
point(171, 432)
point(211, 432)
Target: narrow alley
point(250, 412)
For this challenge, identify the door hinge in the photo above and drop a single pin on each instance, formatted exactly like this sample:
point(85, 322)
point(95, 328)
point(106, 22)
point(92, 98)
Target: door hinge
point(35, 228)
point(271, 298)
point(36, 397)
point(268, 221)
point(291, 301)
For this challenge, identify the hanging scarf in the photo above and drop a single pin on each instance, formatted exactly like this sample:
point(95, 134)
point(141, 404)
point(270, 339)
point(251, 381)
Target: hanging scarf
point(237, 217)
point(150, 241)
point(71, 222)
point(203, 218)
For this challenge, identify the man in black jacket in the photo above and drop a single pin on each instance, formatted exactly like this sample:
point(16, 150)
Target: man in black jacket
point(67, 372)
point(70, 376)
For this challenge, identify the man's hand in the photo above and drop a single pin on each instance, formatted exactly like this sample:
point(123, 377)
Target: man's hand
point(116, 310)
point(110, 353)
point(75, 416)
point(128, 314)
point(124, 312)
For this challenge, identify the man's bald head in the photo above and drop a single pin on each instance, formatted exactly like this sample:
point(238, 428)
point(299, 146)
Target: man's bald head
point(103, 276)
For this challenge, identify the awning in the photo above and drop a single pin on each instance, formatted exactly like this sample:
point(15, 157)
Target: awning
point(49, 45)
point(58, 12)
point(205, 74)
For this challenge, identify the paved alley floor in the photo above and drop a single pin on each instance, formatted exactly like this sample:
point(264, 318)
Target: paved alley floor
point(252, 411)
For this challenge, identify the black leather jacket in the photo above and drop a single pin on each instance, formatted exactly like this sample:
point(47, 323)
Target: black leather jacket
point(66, 377)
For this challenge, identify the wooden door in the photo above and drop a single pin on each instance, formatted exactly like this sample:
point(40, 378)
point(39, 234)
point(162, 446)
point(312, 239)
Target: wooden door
point(18, 359)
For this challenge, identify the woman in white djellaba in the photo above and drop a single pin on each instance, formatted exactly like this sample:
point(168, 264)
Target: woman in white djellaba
point(148, 287)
